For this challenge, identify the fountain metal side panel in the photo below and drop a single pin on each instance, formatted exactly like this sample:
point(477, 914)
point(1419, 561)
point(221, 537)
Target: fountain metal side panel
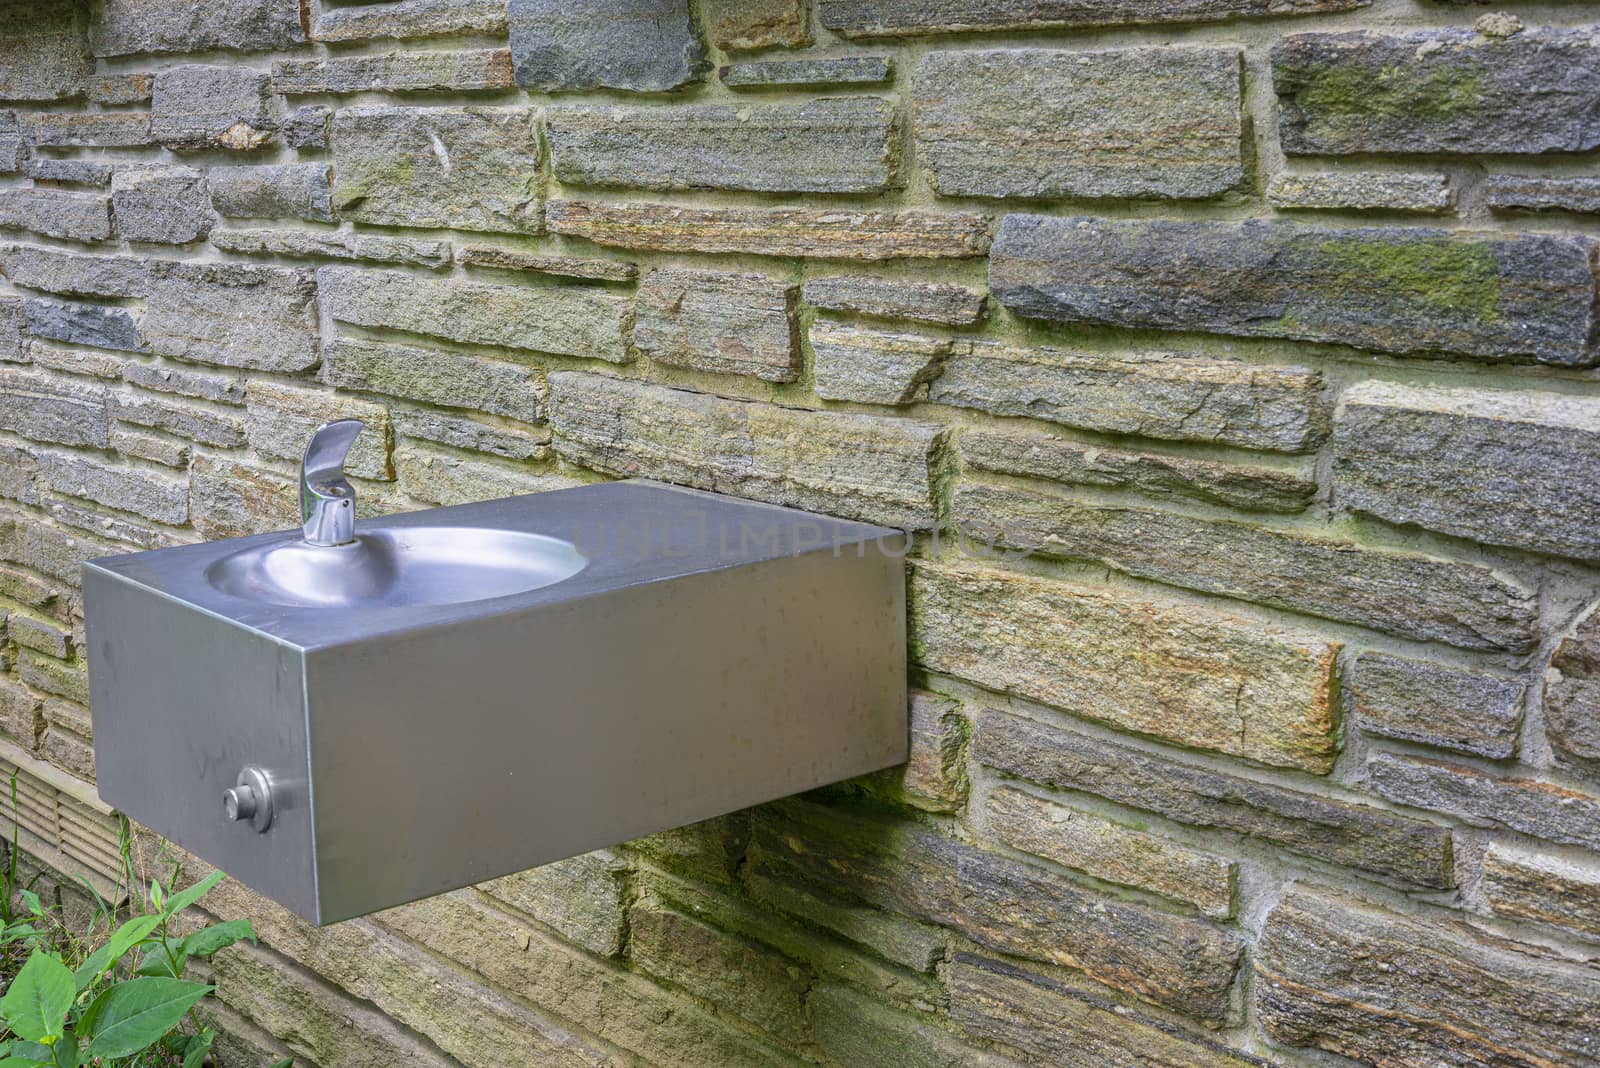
point(182, 699)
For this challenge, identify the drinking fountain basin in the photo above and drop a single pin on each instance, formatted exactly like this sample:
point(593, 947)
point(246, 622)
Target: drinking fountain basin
point(394, 566)
point(430, 700)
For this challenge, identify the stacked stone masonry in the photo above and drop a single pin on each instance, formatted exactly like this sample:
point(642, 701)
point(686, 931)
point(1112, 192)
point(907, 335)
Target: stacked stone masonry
point(1233, 361)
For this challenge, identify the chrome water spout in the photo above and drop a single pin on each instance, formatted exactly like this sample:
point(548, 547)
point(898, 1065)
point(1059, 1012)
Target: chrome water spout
point(327, 500)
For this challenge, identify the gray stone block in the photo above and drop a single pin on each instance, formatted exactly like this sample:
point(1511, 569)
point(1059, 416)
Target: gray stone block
point(510, 259)
point(1377, 986)
point(47, 407)
point(84, 324)
point(307, 126)
point(202, 385)
point(1152, 394)
point(874, 366)
point(154, 495)
point(1167, 669)
point(162, 205)
point(341, 245)
point(1035, 122)
point(86, 129)
point(410, 18)
point(44, 50)
point(463, 168)
point(1334, 830)
point(198, 106)
point(55, 271)
point(917, 18)
point(1572, 695)
point(839, 145)
point(192, 421)
point(583, 897)
point(822, 233)
point(56, 213)
point(637, 45)
point(1421, 194)
point(1514, 192)
point(771, 74)
point(1494, 466)
point(1466, 605)
point(724, 322)
point(12, 319)
point(1417, 701)
point(781, 455)
point(127, 27)
point(933, 302)
point(69, 171)
point(13, 150)
point(1252, 489)
point(298, 190)
point(581, 321)
point(437, 376)
point(194, 312)
point(1540, 809)
point(156, 448)
point(1520, 298)
point(464, 432)
point(396, 72)
point(1447, 90)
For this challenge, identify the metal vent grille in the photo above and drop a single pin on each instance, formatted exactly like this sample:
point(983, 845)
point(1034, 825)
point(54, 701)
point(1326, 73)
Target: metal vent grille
point(59, 820)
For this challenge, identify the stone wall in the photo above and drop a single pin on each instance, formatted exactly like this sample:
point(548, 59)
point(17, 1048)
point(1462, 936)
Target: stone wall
point(1238, 351)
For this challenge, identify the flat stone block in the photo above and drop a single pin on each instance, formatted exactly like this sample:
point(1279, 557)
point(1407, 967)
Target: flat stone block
point(1516, 298)
point(1139, 122)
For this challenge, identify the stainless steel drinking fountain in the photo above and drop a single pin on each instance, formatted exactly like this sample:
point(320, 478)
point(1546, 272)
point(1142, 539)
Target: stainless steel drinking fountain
point(464, 692)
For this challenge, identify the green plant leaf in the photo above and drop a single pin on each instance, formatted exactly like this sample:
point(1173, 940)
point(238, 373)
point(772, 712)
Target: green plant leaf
point(31, 899)
point(158, 963)
point(209, 940)
point(178, 902)
point(287, 1062)
point(126, 937)
point(128, 1017)
point(199, 1046)
point(31, 1051)
point(35, 1007)
point(67, 1054)
point(16, 931)
point(163, 956)
point(26, 1052)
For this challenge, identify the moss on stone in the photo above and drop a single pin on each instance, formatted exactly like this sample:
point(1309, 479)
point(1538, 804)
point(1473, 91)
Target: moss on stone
point(1457, 276)
point(1443, 92)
